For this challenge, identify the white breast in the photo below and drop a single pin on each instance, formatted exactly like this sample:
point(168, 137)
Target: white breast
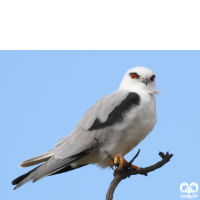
point(137, 123)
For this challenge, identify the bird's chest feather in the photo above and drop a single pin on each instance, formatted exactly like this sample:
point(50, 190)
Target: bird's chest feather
point(141, 119)
point(138, 122)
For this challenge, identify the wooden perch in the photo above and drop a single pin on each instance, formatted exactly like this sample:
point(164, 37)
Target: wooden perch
point(127, 172)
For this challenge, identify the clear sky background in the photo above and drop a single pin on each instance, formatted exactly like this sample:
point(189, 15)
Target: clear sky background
point(45, 93)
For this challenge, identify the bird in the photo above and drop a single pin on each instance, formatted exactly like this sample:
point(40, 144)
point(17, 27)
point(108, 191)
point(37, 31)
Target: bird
point(113, 126)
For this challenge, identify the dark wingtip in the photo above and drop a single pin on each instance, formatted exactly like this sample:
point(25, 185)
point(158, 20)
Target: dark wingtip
point(17, 180)
point(20, 178)
point(13, 182)
point(15, 188)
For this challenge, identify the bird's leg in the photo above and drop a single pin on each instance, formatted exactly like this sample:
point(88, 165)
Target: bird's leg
point(119, 159)
point(121, 162)
point(112, 164)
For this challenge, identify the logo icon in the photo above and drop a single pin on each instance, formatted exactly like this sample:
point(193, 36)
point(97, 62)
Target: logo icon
point(190, 189)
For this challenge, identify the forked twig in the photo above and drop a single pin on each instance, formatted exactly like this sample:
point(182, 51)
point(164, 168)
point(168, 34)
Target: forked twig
point(127, 171)
point(124, 173)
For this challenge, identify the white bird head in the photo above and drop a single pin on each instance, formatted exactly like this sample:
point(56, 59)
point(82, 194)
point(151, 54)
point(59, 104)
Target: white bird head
point(141, 77)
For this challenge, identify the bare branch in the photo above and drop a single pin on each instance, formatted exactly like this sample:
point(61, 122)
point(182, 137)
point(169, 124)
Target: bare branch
point(136, 155)
point(124, 173)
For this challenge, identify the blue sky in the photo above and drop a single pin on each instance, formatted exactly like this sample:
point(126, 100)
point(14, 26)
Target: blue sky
point(45, 93)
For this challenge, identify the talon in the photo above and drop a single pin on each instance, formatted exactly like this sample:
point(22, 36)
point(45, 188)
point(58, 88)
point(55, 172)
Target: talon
point(118, 159)
point(121, 163)
point(135, 167)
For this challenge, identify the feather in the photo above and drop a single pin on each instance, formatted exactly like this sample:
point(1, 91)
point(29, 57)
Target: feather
point(37, 159)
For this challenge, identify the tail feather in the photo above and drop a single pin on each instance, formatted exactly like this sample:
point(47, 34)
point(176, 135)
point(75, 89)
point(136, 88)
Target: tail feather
point(38, 159)
point(50, 167)
point(20, 178)
point(66, 169)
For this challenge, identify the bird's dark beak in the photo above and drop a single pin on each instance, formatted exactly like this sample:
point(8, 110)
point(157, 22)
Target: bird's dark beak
point(145, 81)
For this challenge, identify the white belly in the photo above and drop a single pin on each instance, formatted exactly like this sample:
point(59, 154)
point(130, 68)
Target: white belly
point(139, 122)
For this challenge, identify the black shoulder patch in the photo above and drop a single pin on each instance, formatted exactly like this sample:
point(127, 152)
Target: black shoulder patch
point(116, 115)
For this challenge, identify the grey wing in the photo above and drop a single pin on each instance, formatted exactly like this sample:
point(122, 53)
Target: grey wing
point(48, 168)
point(96, 123)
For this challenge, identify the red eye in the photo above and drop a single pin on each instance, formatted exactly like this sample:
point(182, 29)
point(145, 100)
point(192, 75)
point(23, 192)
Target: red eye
point(152, 78)
point(133, 76)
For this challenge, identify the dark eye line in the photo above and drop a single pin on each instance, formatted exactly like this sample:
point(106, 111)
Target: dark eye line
point(135, 74)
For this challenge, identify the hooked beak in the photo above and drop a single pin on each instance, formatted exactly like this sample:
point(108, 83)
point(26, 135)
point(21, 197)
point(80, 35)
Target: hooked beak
point(145, 81)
